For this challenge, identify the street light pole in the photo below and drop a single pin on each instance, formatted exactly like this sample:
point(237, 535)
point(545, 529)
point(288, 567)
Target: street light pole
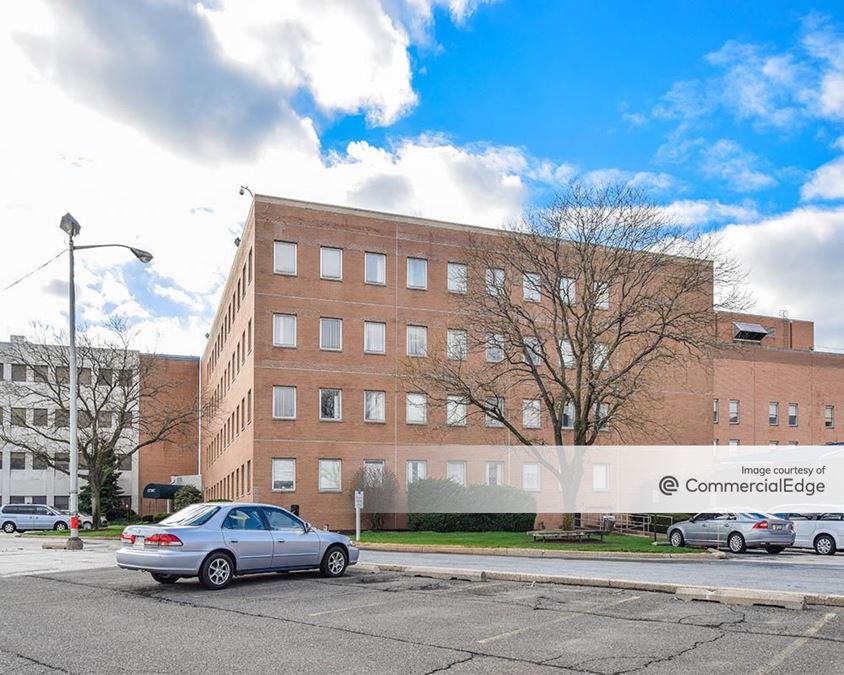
point(70, 225)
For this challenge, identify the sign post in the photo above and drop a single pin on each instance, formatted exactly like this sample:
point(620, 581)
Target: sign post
point(358, 507)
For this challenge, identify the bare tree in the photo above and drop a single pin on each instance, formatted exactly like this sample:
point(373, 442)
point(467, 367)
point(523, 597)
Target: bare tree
point(578, 308)
point(125, 403)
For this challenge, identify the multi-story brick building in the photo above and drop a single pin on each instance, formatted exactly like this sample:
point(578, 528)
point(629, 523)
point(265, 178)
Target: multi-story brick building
point(325, 303)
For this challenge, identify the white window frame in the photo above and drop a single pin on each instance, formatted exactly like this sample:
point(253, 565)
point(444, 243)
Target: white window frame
point(775, 406)
point(276, 460)
point(568, 409)
point(279, 387)
point(796, 414)
point(568, 290)
point(828, 416)
point(460, 285)
point(525, 486)
point(366, 325)
point(567, 354)
point(339, 418)
point(417, 287)
point(600, 356)
point(322, 346)
point(737, 407)
point(339, 463)
point(281, 315)
point(408, 406)
point(375, 466)
point(494, 344)
point(424, 332)
point(490, 421)
point(603, 417)
point(495, 282)
point(499, 466)
point(531, 403)
point(716, 410)
point(456, 464)
point(602, 295)
point(420, 463)
point(276, 258)
point(531, 287)
point(456, 337)
point(452, 405)
point(383, 258)
point(532, 350)
point(322, 251)
point(366, 394)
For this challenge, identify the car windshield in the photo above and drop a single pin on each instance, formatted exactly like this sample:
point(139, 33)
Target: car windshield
point(195, 514)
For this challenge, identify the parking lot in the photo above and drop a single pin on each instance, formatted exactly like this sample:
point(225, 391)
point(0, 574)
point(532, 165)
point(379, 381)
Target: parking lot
point(107, 620)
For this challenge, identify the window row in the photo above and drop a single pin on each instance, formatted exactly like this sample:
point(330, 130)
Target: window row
point(792, 418)
point(238, 295)
point(416, 409)
point(40, 417)
point(25, 461)
point(20, 372)
point(285, 262)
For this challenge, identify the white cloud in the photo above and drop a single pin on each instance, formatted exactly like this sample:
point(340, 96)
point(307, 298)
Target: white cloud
point(656, 182)
point(689, 212)
point(728, 161)
point(826, 182)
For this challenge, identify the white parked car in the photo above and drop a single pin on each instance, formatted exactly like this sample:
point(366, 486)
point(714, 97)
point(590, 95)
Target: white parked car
point(86, 521)
point(823, 532)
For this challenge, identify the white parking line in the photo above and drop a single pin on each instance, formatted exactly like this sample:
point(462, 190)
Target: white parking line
point(567, 617)
point(29, 573)
point(347, 609)
point(775, 662)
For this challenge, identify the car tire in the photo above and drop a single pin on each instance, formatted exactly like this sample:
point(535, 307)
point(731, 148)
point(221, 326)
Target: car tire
point(9, 527)
point(825, 545)
point(60, 526)
point(217, 571)
point(334, 562)
point(87, 525)
point(676, 539)
point(164, 578)
point(736, 543)
point(773, 550)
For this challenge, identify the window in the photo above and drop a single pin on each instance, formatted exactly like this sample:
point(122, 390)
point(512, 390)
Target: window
point(568, 290)
point(495, 473)
point(330, 472)
point(39, 417)
point(792, 414)
point(715, 410)
point(17, 461)
point(829, 416)
point(39, 373)
point(494, 281)
point(374, 337)
point(374, 470)
point(773, 442)
point(417, 469)
point(533, 351)
point(495, 407)
point(456, 278)
point(124, 462)
point(125, 377)
point(568, 415)
point(18, 372)
point(62, 375)
point(602, 295)
point(280, 521)
point(62, 419)
point(330, 405)
point(600, 477)
point(62, 503)
point(530, 477)
point(494, 348)
point(375, 268)
point(457, 345)
point(105, 419)
point(244, 518)
point(284, 403)
point(417, 341)
point(18, 417)
point(531, 413)
point(603, 416)
point(84, 376)
point(284, 475)
point(284, 330)
point(773, 413)
point(455, 411)
point(331, 263)
point(530, 287)
point(735, 411)
point(567, 354)
point(417, 273)
point(374, 406)
point(734, 441)
point(105, 376)
point(456, 472)
point(794, 442)
point(600, 356)
point(331, 335)
point(416, 409)
point(284, 257)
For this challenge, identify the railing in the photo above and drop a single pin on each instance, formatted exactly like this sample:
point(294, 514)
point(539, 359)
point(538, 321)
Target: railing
point(643, 524)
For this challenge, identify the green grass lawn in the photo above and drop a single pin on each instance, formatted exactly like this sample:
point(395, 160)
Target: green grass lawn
point(111, 531)
point(611, 543)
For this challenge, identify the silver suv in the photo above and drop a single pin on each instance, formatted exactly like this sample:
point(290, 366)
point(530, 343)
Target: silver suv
point(23, 517)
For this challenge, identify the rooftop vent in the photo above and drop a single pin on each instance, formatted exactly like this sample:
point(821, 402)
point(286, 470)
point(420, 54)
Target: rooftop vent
point(750, 332)
point(17, 339)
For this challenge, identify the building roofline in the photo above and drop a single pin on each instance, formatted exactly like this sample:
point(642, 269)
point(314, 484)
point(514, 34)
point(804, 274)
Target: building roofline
point(172, 357)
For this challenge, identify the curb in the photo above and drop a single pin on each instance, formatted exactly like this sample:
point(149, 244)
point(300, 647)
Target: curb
point(724, 595)
point(710, 554)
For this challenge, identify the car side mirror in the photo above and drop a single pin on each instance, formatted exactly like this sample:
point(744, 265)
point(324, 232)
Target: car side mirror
point(308, 527)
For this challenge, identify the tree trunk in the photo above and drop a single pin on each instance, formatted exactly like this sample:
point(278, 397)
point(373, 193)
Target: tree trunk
point(95, 504)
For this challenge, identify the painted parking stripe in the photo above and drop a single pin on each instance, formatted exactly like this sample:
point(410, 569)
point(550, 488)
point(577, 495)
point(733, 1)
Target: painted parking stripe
point(775, 662)
point(567, 617)
point(347, 609)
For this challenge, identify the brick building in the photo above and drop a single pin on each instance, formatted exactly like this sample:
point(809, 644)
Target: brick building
point(324, 303)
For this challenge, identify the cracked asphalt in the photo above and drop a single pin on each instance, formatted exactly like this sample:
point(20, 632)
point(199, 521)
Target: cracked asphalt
point(107, 620)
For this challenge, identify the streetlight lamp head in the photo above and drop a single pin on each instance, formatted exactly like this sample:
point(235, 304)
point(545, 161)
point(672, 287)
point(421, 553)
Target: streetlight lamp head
point(140, 254)
point(240, 192)
point(70, 225)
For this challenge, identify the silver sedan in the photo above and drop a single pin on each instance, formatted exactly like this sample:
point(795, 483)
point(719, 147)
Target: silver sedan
point(737, 531)
point(216, 542)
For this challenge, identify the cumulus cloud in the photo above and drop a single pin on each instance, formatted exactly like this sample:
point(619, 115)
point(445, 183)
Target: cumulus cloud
point(726, 160)
point(826, 182)
point(691, 212)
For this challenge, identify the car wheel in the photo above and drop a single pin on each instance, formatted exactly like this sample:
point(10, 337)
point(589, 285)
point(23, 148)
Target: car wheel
point(87, 525)
point(217, 571)
point(60, 526)
point(334, 562)
point(164, 578)
point(825, 545)
point(9, 527)
point(676, 539)
point(773, 550)
point(735, 542)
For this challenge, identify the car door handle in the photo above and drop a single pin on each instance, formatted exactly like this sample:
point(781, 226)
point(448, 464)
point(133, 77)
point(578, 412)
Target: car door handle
point(233, 541)
point(279, 541)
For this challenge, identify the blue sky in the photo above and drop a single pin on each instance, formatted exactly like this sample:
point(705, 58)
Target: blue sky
point(143, 118)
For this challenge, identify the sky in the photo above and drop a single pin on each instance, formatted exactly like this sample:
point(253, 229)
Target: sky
point(142, 119)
